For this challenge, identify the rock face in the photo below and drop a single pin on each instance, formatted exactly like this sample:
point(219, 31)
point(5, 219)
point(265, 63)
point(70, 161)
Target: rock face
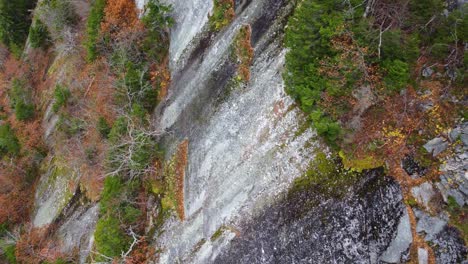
point(423, 193)
point(436, 146)
point(446, 241)
point(454, 180)
point(243, 149)
point(369, 225)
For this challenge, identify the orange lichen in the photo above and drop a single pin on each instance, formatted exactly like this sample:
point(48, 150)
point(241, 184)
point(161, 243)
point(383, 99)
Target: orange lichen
point(181, 165)
point(244, 51)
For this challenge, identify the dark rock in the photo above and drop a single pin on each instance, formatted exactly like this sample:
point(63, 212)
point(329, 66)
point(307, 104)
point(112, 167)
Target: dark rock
point(307, 228)
point(449, 246)
point(412, 167)
point(401, 243)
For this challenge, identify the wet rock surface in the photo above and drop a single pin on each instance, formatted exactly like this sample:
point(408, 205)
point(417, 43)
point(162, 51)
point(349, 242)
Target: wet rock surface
point(356, 229)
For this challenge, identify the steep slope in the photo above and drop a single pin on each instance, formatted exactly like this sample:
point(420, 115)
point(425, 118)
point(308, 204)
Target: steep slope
point(169, 134)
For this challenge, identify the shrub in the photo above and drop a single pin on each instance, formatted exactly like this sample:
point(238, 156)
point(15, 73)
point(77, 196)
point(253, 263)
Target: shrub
point(110, 239)
point(38, 34)
point(397, 74)
point(57, 15)
point(308, 36)
point(223, 14)
point(157, 21)
point(136, 85)
point(70, 125)
point(397, 45)
point(326, 127)
point(20, 99)
point(14, 23)
point(118, 129)
point(93, 26)
point(24, 111)
point(113, 187)
point(103, 127)
point(117, 214)
point(61, 96)
point(9, 252)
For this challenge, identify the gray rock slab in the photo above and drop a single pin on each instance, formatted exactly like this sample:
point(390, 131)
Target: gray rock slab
point(401, 242)
point(436, 146)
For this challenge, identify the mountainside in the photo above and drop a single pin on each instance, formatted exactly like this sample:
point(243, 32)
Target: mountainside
point(233, 131)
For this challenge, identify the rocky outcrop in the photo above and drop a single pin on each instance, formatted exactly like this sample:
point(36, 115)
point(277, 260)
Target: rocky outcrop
point(369, 225)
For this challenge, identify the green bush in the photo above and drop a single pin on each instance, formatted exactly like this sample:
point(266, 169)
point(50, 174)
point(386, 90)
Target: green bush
point(9, 144)
point(113, 187)
point(93, 26)
point(118, 129)
point(397, 74)
point(223, 14)
point(61, 96)
point(24, 111)
point(136, 85)
point(117, 215)
point(9, 252)
point(109, 237)
point(70, 125)
point(20, 98)
point(103, 127)
point(398, 46)
point(422, 11)
point(157, 21)
point(15, 20)
point(308, 37)
point(38, 34)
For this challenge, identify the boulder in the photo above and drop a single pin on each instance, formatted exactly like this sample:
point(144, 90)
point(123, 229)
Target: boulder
point(436, 146)
point(423, 256)
point(400, 243)
point(423, 193)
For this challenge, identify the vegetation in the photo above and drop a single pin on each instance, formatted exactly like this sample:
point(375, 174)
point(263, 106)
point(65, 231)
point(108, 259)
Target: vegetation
point(157, 20)
point(20, 98)
point(103, 127)
point(118, 217)
point(337, 48)
point(223, 14)
point(134, 50)
point(38, 34)
point(61, 96)
point(93, 28)
point(14, 23)
point(8, 142)
point(9, 252)
point(242, 52)
point(327, 175)
point(57, 15)
point(458, 216)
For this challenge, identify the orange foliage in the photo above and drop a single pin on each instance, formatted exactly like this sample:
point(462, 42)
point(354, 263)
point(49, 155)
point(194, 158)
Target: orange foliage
point(244, 51)
point(182, 161)
point(120, 17)
point(36, 246)
point(161, 75)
